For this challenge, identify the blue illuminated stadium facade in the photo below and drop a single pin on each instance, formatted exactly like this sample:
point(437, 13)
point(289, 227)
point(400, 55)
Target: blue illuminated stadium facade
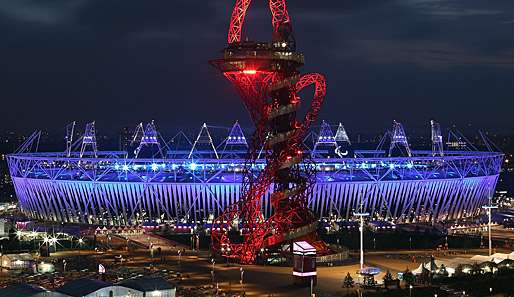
point(109, 188)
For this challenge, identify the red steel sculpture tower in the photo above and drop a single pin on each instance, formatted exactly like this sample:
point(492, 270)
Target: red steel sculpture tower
point(266, 76)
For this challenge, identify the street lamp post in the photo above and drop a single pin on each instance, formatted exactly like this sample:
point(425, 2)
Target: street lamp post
point(226, 255)
point(53, 241)
point(361, 216)
point(192, 241)
point(410, 290)
point(81, 242)
point(312, 286)
point(2, 256)
point(241, 280)
point(109, 238)
point(212, 271)
point(34, 234)
point(19, 234)
point(490, 208)
point(151, 250)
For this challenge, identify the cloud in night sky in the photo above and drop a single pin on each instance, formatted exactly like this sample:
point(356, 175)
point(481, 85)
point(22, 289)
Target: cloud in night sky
point(40, 12)
point(425, 54)
point(122, 62)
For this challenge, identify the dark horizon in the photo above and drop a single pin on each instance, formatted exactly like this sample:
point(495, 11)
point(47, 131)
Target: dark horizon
point(123, 62)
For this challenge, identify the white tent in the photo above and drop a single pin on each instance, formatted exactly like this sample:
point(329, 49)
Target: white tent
point(498, 257)
point(480, 259)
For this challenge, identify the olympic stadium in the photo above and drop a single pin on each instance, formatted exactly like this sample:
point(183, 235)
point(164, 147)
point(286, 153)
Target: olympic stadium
point(156, 183)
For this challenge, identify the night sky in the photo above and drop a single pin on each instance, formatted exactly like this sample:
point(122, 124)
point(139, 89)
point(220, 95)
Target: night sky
point(122, 62)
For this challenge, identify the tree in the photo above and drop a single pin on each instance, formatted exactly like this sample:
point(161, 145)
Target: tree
point(475, 269)
point(388, 276)
point(408, 277)
point(426, 275)
point(348, 281)
point(442, 271)
point(388, 279)
point(369, 280)
point(458, 271)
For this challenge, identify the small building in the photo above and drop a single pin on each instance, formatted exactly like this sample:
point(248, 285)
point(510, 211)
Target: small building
point(149, 287)
point(4, 228)
point(139, 287)
point(25, 290)
point(17, 261)
point(304, 269)
point(91, 288)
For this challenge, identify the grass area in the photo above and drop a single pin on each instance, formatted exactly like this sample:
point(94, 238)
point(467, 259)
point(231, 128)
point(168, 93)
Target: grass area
point(395, 240)
point(501, 282)
point(417, 292)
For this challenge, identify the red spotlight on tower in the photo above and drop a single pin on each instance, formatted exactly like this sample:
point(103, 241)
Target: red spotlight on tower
point(249, 71)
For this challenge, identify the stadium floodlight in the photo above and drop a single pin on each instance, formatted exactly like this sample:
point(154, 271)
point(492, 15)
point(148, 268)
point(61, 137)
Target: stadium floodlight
point(89, 140)
point(399, 141)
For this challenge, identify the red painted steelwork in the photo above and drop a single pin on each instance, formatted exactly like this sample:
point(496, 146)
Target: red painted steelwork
point(266, 77)
point(278, 11)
